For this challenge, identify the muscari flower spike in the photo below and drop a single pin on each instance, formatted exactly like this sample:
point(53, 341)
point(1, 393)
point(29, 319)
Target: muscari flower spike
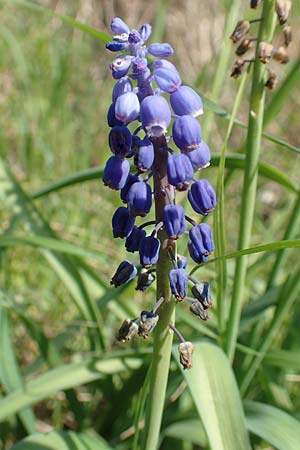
point(149, 97)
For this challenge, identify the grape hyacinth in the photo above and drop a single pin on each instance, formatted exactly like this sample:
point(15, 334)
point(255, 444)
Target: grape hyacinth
point(149, 100)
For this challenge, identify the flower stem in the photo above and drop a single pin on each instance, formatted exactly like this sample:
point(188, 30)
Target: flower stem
point(253, 145)
point(163, 338)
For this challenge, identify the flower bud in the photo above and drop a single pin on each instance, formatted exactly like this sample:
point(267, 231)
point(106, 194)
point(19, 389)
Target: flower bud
point(181, 262)
point(112, 121)
point(197, 309)
point(201, 291)
point(122, 86)
point(116, 46)
point(179, 283)
point(122, 223)
point(200, 158)
point(118, 26)
point(202, 197)
point(131, 179)
point(120, 66)
point(127, 107)
point(124, 273)
point(185, 354)
point(241, 29)
point(133, 240)
point(265, 51)
point(116, 172)
point(174, 220)
point(134, 37)
point(145, 279)
point(167, 80)
point(155, 115)
point(139, 199)
point(180, 171)
point(201, 242)
point(185, 101)
point(283, 8)
point(186, 133)
point(145, 31)
point(160, 50)
point(147, 324)
point(149, 251)
point(127, 330)
point(144, 156)
point(120, 141)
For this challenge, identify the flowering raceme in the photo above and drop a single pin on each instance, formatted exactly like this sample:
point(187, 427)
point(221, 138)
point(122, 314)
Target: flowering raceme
point(144, 93)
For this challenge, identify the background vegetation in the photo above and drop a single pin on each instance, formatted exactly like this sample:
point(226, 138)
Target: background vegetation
point(60, 366)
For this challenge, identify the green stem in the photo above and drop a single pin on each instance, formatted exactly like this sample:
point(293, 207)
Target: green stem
point(163, 337)
point(253, 145)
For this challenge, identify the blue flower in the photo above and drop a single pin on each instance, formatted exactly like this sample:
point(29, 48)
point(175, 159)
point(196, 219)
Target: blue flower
point(122, 223)
point(144, 156)
point(174, 220)
point(124, 273)
point(179, 283)
point(186, 101)
point(155, 115)
point(200, 158)
point(116, 172)
point(122, 86)
point(160, 50)
point(201, 242)
point(202, 197)
point(120, 141)
point(186, 133)
point(132, 178)
point(180, 171)
point(167, 80)
point(111, 118)
point(145, 32)
point(149, 251)
point(118, 26)
point(127, 107)
point(139, 199)
point(116, 46)
point(134, 239)
point(120, 66)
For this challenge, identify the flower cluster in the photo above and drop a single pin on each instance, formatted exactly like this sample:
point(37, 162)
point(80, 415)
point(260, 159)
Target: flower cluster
point(147, 98)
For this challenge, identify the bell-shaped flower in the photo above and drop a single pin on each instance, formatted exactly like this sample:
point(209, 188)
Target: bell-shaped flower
point(186, 133)
point(134, 239)
point(145, 279)
point(139, 199)
point(160, 50)
point(116, 46)
point(201, 291)
point(174, 220)
point(145, 32)
point(118, 26)
point(186, 101)
point(122, 86)
point(167, 80)
point(116, 172)
point(164, 64)
point(122, 223)
point(120, 66)
point(112, 121)
point(202, 197)
point(201, 242)
point(178, 279)
point(124, 273)
point(132, 178)
point(127, 330)
point(120, 141)
point(155, 115)
point(127, 107)
point(148, 321)
point(180, 171)
point(200, 158)
point(144, 156)
point(149, 251)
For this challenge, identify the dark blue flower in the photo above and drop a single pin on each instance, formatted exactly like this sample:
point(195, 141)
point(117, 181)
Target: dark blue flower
point(134, 37)
point(124, 273)
point(201, 291)
point(132, 178)
point(167, 80)
point(122, 86)
point(120, 66)
point(127, 330)
point(160, 50)
point(116, 172)
point(186, 133)
point(155, 115)
point(201, 242)
point(134, 239)
point(118, 26)
point(122, 223)
point(202, 197)
point(174, 221)
point(179, 283)
point(144, 156)
point(120, 141)
point(149, 251)
point(111, 118)
point(145, 279)
point(186, 101)
point(200, 158)
point(127, 107)
point(139, 199)
point(116, 46)
point(180, 171)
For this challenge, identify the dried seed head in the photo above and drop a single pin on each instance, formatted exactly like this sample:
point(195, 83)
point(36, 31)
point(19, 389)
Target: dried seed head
point(287, 34)
point(241, 29)
point(197, 309)
point(254, 3)
point(265, 52)
point(127, 330)
point(185, 353)
point(238, 68)
point(280, 55)
point(283, 8)
point(244, 46)
point(272, 80)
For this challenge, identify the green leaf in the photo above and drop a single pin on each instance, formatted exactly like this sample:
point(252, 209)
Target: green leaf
point(188, 431)
point(65, 377)
point(69, 20)
point(215, 393)
point(273, 425)
point(9, 370)
point(65, 440)
point(285, 359)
